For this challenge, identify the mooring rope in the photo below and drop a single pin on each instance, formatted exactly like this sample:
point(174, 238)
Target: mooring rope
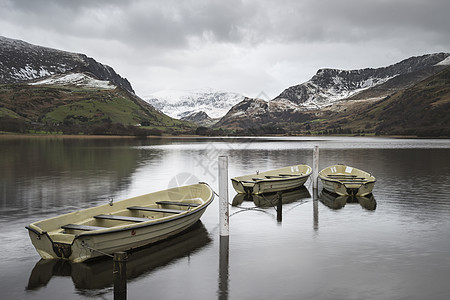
point(310, 182)
point(243, 209)
point(202, 182)
point(92, 249)
point(271, 201)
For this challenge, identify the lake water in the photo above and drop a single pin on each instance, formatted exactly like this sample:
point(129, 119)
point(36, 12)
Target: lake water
point(395, 245)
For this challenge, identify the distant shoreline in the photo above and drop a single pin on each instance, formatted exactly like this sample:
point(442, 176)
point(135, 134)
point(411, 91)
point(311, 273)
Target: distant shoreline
point(68, 136)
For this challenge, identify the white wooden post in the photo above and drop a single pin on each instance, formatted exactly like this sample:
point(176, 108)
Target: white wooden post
point(315, 167)
point(224, 216)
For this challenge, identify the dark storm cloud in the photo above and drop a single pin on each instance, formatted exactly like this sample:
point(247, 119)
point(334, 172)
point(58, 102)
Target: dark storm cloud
point(172, 23)
point(167, 23)
point(240, 45)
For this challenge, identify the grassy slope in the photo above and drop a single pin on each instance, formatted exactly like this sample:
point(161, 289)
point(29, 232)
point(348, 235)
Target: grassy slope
point(87, 106)
point(420, 110)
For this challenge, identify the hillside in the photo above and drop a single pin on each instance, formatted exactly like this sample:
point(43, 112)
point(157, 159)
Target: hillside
point(258, 116)
point(75, 109)
point(49, 90)
point(423, 110)
point(331, 85)
point(373, 101)
point(21, 62)
point(43, 89)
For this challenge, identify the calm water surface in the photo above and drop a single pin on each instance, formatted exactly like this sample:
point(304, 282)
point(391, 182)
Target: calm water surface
point(395, 245)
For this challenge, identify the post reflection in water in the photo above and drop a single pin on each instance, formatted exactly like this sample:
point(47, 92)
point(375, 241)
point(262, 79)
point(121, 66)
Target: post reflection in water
point(315, 210)
point(223, 267)
point(98, 274)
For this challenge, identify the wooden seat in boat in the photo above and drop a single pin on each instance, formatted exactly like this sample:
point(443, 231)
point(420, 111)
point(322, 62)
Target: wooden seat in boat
point(121, 218)
point(163, 210)
point(177, 203)
point(82, 227)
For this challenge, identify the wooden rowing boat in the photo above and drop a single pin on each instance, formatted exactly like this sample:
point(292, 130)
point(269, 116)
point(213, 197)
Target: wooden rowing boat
point(96, 274)
point(120, 226)
point(283, 179)
point(344, 180)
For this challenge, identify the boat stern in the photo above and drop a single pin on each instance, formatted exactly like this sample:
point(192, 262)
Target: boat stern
point(59, 246)
point(244, 187)
point(366, 189)
point(41, 243)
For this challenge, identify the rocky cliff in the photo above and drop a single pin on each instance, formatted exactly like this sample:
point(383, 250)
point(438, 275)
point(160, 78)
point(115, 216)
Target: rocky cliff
point(23, 62)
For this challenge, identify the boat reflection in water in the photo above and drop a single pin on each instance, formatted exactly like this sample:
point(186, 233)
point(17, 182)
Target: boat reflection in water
point(335, 201)
point(99, 274)
point(270, 200)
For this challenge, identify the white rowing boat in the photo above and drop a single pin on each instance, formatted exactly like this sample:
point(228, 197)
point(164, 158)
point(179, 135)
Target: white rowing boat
point(344, 180)
point(122, 226)
point(283, 179)
point(96, 274)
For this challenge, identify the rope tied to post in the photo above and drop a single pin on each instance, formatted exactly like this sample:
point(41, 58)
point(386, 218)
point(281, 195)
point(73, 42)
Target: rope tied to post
point(83, 244)
point(271, 201)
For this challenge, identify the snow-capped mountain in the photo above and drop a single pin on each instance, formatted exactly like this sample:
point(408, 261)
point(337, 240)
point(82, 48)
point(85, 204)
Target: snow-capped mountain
point(23, 62)
point(180, 104)
point(331, 85)
point(331, 91)
point(36, 95)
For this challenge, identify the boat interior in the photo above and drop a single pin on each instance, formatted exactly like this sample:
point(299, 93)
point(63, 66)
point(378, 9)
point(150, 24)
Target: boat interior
point(132, 214)
point(346, 175)
point(281, 174)
point(343, 178)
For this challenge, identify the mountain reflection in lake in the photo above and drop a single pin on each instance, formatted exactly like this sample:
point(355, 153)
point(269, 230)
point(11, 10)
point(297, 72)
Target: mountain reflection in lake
point(392, 246)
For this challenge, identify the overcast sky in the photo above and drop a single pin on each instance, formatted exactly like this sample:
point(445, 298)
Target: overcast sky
point(249, 46)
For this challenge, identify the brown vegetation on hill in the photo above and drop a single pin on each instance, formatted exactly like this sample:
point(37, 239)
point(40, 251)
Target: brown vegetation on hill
point(75, 110)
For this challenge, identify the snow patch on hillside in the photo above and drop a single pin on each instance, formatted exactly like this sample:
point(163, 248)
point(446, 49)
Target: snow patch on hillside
point(29, 72)
point(319, 97)
point(445, 62)
point(78, 79)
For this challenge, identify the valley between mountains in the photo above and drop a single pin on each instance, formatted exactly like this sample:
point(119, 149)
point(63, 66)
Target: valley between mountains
point(44, 90)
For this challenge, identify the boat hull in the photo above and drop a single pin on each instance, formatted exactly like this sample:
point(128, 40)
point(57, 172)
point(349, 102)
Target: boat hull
point(52, 242)
point(283, 179)
point(97, 274)
point(347, 181)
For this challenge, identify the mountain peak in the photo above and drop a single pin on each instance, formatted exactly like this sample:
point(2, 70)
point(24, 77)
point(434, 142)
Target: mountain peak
point(330, 85)
point(23, 62)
